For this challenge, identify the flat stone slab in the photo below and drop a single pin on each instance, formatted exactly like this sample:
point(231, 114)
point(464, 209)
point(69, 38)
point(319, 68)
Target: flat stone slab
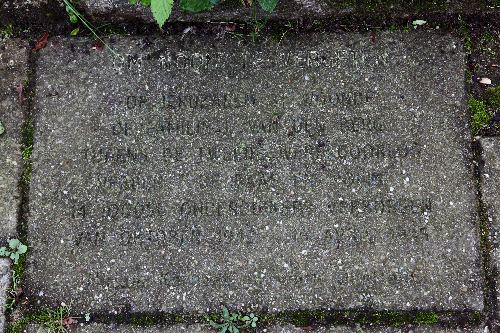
point(13, 73)
point(326, 171)
point(4, 286)
point(491, 197)
point(39, 13)
point(97, 328)
point(122, 11)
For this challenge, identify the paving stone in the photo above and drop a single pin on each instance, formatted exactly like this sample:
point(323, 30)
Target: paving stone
point(122, 11)
point(30, 14)
point(4, 285)
point(96, 328)
point(13, 72)
point(326, 171)
point(491, 196)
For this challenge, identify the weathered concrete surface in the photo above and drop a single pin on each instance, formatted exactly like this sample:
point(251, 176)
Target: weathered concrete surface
point(324, 172)
point(4, 285)
point(96, 328)
point(13, 72)
point(30, 14)
point(121, 11)
point(490, 178)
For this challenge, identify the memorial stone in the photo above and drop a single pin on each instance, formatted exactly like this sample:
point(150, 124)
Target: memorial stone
point(326, 171)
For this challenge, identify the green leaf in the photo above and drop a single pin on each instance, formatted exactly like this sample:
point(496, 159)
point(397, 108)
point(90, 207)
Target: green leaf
point(196, 6)
point(14, 256)
point(73, 18)
point(22, 249)
point(225, 313)
point(146, 2)
point(14, 243)
point(245, 318)
point(268, 5)
point(254, 324)
point(74, 32)
point(4, 252)
point(132, 2)
point(236, 330)
point(215, 325)
point(161, 10)
point(224, 329)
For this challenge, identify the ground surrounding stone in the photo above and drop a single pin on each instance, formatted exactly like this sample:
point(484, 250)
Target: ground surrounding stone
point(491, 197)
point(326, 171)
point(483, 61)
point(95, 328)
point(122, 11)
point(13, 73)
point(4, 285)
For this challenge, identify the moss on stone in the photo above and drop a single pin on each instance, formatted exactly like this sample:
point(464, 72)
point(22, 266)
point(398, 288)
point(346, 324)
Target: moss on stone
point(492, 97)
point(6, 31)
point(427, 318)
point(480, 117)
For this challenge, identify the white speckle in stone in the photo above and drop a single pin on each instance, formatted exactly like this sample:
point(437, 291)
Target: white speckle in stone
point(304, 252)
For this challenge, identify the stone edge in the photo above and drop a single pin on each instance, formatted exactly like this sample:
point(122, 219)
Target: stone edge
point(5, 274)
point(492, 216)
point(198, 328)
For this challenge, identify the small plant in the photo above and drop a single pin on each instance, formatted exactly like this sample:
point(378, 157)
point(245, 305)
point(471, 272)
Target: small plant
point(16, 248)
point(56, 321)
point(13, 292)
point(162, 9)
point(234, 322)
point(75, 16)
point(7, 31)
point(27, 152)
